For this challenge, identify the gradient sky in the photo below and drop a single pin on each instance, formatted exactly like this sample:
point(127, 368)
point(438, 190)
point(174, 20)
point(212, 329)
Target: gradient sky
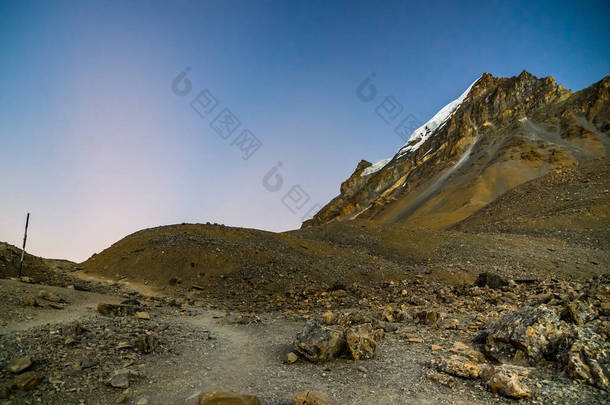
point(94, 143)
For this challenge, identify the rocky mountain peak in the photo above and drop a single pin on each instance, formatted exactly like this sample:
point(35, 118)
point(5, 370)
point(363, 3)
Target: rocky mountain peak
point(498, 134)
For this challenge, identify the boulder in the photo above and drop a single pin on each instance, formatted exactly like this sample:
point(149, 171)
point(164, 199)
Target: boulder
point(490, 280)
point(468, 351)
point(458, 366)
point(222, 398)
point(49, 296)
point(503, 381)
point(116, 310)
point(428, 317)
point(19, 364)
point(146, 343)
point(360, 341)
point(120, 379)
point(578, 312)
point(319, 344)
point(529, 335)
point(589, 359)
point(26, 381)
point(291, 358)
point(313, 398)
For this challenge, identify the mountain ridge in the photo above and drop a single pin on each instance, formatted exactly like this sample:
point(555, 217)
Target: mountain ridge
point(503, 132)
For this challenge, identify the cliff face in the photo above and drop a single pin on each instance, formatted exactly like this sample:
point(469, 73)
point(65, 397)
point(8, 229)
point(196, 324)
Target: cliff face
point(501, 133)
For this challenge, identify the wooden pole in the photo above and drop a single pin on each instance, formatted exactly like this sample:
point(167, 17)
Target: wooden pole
point(25, 237)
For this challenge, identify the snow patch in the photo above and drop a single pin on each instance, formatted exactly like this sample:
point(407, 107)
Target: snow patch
point(421, 134)
point(375, 167)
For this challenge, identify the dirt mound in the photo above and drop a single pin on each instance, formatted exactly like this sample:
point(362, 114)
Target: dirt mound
point(234, 264)
point(42, 270)
point(344, 262)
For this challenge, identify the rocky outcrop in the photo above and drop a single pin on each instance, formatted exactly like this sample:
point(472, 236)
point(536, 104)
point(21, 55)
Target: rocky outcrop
point(535, 335)
point(589, 359)
point(530, 335)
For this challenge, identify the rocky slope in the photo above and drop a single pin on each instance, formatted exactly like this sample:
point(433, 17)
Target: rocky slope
point(501, 133)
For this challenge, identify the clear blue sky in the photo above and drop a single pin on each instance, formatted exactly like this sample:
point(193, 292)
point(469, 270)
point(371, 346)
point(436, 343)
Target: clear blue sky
point(96, 145)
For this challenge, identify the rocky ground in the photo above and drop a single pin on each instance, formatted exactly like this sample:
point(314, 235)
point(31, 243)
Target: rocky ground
point(544, 341)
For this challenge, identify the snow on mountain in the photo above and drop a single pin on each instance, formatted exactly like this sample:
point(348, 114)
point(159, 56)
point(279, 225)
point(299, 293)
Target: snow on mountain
point(375, 167)
point(422, 133)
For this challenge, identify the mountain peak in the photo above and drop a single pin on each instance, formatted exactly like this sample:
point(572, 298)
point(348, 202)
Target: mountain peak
point(499, 133)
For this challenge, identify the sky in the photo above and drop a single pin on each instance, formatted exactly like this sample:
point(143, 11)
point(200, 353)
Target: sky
point(100, 136)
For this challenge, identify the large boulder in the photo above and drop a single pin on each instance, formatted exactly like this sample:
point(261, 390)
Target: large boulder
point(589, 359)
point(318, 344)
point(530, 335)
point(360, 341)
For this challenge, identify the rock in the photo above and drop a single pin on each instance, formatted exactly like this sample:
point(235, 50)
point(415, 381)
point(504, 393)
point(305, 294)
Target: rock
point(502, 381)
point(56, 305)
point(142, 401)
point(31, 302)
point(319, 344)
point(468, 352)
point(428, 317)
point(378, 334)
point(313, 398)
point(588, 359)
point(449, 324)
point(120, 379)
point(49, 296)
point(116, 310)
point(360, 341)
point(26, 381)
point(142, 315)
point(75, 329)
point(531, 334)
point(443, 379)
point(222, 398)
point(291, 358)
point(578, 312)
point(146, 343)
point(459, 367)
point(328, 317)
point(389, 326)
point(5, 392)
point(415, 340)
point(19, 364)
point(490, 280)
point(435, 347)
point(604, 308)
point(88, 362)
